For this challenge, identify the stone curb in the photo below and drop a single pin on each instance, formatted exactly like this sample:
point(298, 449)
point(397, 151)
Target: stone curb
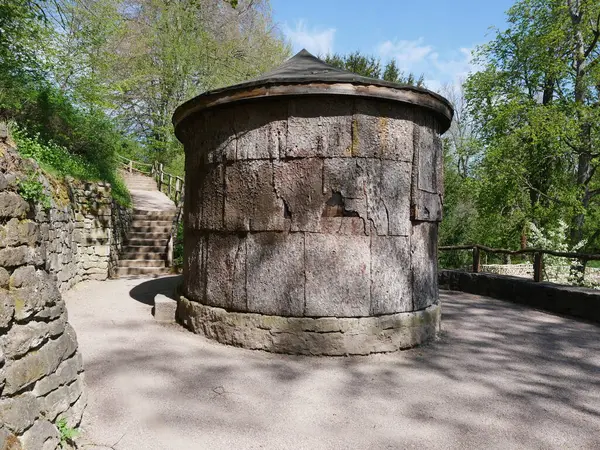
point(326, 336)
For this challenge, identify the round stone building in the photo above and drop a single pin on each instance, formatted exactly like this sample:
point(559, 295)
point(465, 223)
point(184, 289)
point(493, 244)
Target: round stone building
point(312, 202)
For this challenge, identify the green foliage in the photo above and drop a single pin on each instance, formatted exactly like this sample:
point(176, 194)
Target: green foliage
point(146, 57)
point(533, 110)
point(67, 434)
point(32, 190)
point(369, 66)
point(57, 160)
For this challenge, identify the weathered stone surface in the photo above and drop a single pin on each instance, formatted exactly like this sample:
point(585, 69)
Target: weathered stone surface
point(428, 180)
point(261, 136)
point(37, 364)
point(7, 308)
point(226, 272)
point(42, 436)
point(322, 336)
point(212, 196)
point(343, 225)
point(8, 441)
point(59, 400)
point(299, 184)
point(4, 277)
point(31, 291)
point(194, 265)
point(423, 244)
point(18, 256)
point(427, 207)
point(251, 202)
point(319, 129)
point(19, 413)
point(375, 190)
point(74, 414)
point(311, 219)
point(275, 273)
point(349, 178)
point(21, 338)
point(391, 275)
point(19, 232)
point(337, 275)
point(13, 205)
point(164, 308)
point(65, 373)
point(381, 130)
point(217, 135)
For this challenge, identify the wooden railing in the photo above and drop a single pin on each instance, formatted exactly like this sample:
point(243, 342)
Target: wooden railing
point(538, 256)
point(170, 185)
point(132, 166)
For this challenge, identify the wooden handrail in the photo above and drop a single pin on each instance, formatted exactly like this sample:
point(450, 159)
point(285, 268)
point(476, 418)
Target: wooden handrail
point(538, 256)
point(583, 256)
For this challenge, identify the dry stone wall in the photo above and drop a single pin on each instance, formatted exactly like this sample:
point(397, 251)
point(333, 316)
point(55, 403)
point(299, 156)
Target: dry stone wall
point(79, 234)
point(41, 371)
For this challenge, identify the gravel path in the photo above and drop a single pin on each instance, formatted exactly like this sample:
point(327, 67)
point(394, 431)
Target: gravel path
point(501, 376)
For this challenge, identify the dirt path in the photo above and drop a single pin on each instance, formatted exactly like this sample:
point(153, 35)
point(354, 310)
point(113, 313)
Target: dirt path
point(501, 376)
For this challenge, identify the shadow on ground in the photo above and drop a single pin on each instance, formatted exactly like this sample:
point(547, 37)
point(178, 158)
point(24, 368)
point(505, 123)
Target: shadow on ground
point(501, 376)
point(147, 290)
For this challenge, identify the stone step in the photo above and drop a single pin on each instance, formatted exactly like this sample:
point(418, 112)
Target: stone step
point(152, 215)
point(142, 263)
point(143, 255)
point(150, 223)
point(161, 235)
point(149, 271)
point(147, 242)
point(165, 308)
point(137, 249)
point(151, 228)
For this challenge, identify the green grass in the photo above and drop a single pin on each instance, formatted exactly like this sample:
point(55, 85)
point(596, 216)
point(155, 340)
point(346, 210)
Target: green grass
point(60, 163)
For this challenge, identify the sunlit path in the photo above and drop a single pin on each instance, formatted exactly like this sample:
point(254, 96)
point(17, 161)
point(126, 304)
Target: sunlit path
point(501, 376)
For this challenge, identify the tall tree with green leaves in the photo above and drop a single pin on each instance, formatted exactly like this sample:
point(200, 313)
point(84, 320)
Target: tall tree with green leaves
point(145, 57)
point(535, 106)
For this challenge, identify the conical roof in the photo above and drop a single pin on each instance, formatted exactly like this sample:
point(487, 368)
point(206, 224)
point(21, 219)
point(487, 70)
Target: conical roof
point(305, 74)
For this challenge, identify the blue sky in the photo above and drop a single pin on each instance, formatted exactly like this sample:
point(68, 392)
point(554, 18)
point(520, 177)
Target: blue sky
point(432, 37)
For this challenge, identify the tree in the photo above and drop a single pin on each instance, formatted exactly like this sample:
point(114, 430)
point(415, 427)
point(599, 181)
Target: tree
point(152, 55)
point(535, 108)
point(369, 66)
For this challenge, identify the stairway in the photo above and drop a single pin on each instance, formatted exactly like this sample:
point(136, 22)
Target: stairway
point(145, 249)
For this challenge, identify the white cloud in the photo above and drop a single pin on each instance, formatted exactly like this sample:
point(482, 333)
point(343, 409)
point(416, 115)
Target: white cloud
point(318, 42)
point(438, 68)
point(404, 52)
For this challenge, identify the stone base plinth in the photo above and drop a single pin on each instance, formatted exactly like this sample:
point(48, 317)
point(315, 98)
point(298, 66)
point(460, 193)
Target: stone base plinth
point(330, 336)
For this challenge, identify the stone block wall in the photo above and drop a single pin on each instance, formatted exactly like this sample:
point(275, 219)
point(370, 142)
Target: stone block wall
point(121, 221)
point(41, 371)
point(313, 206)
point(572, 301)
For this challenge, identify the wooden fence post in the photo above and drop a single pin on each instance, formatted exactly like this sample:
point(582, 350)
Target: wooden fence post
point(160, 178)
point(130, 166)
point(476, 260)
point(177, 190)
point(538, 266)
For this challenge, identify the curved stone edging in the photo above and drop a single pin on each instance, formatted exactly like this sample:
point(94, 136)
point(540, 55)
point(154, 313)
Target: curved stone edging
point(327, 336)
